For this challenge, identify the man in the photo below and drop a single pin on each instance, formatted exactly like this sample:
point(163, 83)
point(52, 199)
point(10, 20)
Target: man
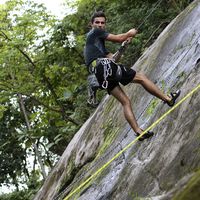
point(109, 74)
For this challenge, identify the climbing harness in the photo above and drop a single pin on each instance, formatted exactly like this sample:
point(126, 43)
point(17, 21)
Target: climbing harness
point(93, 84)
point(107, 71)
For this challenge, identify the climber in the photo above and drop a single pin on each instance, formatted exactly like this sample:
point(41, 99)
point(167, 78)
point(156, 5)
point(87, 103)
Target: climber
point(109, 74)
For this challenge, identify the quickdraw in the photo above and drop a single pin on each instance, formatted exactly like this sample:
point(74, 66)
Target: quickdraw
point(107, 71)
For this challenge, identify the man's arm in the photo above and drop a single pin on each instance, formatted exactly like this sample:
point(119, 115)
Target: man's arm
point(121, 37)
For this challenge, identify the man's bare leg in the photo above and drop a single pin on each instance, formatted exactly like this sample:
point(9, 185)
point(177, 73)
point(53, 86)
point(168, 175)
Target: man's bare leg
point(150, 86)
point(120, 95)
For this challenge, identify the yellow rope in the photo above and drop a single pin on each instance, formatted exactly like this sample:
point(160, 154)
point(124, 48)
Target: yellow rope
point(134, 141)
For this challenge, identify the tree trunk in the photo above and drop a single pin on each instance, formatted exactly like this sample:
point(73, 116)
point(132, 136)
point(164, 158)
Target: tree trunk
point(23, 109)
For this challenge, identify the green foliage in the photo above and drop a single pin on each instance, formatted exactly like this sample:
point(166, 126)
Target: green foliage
point(12, 154)
point(25, 194)
point(18, 195)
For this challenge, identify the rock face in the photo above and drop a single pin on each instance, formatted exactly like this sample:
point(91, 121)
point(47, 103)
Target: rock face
point(167, 166)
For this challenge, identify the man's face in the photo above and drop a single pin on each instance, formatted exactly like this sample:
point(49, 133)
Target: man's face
point(99, 22)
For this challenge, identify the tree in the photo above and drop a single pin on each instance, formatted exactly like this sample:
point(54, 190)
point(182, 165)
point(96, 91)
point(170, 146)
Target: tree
point(39, 81)
point(18, 35)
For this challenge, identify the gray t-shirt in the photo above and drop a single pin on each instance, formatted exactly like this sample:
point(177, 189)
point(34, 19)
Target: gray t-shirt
point(95, 45)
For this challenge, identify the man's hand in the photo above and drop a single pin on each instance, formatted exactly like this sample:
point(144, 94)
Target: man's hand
point(132, 32)
point(121, 37)
point(127, 41)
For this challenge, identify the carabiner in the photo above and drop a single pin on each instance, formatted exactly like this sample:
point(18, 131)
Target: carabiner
point(105, 84)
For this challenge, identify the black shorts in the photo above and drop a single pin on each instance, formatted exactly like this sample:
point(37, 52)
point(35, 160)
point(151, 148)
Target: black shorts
point(127, 76)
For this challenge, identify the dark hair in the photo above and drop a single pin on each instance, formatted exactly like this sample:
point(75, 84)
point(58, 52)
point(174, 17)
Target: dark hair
point(97, 14)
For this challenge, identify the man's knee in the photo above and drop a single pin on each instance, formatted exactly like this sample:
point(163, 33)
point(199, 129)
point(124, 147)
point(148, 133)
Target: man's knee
point(139, 78)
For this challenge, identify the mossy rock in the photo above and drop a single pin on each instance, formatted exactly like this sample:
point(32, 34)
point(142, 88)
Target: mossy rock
point(192, 189)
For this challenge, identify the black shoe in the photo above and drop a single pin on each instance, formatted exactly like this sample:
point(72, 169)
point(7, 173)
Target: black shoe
point(148, 134)
point(174, 96)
